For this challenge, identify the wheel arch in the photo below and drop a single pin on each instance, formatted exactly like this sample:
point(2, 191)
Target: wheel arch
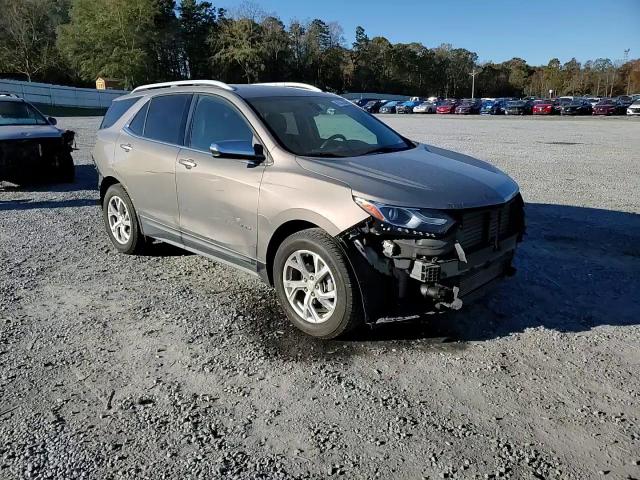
point(105, 184)
point(279, 235)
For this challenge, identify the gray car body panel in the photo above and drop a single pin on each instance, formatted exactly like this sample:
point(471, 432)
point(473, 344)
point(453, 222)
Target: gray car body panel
point(422, 177)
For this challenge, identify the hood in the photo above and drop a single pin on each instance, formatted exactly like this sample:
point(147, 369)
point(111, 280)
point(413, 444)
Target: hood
point(424, 177)
point(25, 132)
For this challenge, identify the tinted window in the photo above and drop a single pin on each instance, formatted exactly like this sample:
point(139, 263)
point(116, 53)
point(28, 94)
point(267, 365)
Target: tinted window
point(214, 121)
point(137, 124)
point(116, 110)
point(19, 113)
point(165, 119)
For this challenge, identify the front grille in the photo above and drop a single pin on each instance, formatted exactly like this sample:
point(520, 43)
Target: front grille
point(481, 228)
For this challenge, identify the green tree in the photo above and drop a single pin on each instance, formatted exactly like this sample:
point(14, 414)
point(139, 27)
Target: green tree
point(28, 36)
point(110, 38)
point(197, 24)
point(239, 43)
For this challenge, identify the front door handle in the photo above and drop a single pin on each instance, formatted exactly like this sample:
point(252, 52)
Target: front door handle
point(188, 163)
point(126, 147)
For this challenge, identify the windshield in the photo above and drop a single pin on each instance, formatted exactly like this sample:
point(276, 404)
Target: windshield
point(19, 113)
point(326, 126)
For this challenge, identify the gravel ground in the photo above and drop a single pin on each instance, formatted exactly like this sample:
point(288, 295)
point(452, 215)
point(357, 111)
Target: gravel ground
point(173, 366)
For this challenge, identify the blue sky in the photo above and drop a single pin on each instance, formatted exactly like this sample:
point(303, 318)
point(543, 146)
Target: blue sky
point(497, 30)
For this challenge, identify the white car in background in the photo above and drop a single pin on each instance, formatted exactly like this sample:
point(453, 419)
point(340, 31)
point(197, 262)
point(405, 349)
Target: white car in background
point(634, 108)
point(425, 107)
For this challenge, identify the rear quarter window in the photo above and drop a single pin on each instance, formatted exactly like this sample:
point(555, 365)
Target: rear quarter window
point(116, 110)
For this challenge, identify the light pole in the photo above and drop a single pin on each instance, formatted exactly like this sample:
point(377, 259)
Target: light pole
point(473, 81)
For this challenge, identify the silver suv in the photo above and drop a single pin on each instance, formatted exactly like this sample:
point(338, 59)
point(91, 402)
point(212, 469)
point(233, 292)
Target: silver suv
point(350, 221)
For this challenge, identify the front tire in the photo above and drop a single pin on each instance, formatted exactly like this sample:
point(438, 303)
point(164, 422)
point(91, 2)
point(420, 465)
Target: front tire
point(121, 221)
point(315, 285)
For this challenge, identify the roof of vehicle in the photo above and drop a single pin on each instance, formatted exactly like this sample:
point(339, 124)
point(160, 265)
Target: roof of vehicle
point(277, 89)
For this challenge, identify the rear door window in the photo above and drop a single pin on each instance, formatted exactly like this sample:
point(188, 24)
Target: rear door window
point(116, 110)
point(166, 118)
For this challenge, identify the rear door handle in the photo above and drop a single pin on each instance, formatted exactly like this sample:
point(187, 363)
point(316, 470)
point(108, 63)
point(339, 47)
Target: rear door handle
point(188, 163)
point(126, 147)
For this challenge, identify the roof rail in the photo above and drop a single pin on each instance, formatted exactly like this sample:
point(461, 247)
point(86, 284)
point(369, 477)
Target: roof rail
point(304, 86)
point(184, 83)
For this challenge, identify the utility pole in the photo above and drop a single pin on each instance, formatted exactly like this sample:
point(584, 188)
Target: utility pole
point(473, 81)
point(626, 59)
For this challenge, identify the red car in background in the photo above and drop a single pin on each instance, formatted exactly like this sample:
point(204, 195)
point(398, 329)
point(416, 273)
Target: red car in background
point(544, 107)
point(609, 106)
point(448, 106)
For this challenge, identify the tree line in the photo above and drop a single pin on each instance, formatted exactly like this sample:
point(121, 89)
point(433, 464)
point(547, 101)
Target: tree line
point(143, 41)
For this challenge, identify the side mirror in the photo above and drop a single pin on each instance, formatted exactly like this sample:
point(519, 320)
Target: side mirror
point(239, 150)
point(52, 120)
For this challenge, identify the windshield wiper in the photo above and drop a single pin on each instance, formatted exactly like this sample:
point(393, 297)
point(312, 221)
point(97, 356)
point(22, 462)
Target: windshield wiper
point(322, 155)
point(385, 150)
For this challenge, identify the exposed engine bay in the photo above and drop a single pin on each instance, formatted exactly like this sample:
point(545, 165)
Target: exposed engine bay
point(409, 272)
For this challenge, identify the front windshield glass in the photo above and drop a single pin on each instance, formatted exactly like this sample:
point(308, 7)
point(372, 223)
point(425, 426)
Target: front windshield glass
point(18, 113)
point(325, 126)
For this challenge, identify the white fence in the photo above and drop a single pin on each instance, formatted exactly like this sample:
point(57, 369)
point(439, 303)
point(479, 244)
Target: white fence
point(61, 96)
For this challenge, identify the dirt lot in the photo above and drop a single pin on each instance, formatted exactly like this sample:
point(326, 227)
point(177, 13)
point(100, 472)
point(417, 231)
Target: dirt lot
point(172, 366)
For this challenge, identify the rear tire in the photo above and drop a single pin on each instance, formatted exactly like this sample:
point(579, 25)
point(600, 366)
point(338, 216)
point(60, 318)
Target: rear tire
point(121, 221)
point(331, 306)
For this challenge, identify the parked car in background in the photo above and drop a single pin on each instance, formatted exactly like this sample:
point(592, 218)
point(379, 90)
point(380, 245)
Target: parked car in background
point(493, 107)
point(634, 108)
point(561, 102)
point(32, 148)
point(593, 100)
point(448, 105)
point(609, 106)
point(519, 107)
point(389, 107)
point(625, 100)
point(579, 106)
point(425, 107)
point(361, 102)
point(544, 107)
point(373, 106)
point(353, 221)
point(407, 107)
point(469, 106)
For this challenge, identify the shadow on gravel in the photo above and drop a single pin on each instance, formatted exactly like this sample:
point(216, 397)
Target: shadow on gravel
point(86, 178)
point(578, 268)
point(27, 204)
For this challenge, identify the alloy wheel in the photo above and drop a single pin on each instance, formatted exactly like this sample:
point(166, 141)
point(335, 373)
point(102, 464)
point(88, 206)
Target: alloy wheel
point(310, 286)
point(119, 220)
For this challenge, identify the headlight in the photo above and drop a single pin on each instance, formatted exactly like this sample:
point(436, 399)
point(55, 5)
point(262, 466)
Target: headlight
point(407, 220)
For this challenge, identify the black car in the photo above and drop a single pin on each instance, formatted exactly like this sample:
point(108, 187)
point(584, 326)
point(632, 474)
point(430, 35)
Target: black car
point(32, 148)
point(519, 107)
point(469, 106)
point(373, 106)
point(578, 106)
point(361, 102)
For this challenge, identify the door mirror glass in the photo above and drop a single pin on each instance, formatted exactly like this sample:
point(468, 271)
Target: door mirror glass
point(238, 149)
point(52, 120)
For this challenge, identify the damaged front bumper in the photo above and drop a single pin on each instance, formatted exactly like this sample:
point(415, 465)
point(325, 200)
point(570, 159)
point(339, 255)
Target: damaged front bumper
point(401, 277)
point(36, 159)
